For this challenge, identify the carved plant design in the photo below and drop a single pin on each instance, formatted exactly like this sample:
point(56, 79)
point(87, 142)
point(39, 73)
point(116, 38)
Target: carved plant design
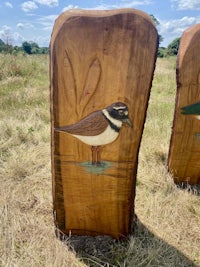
point(91, 84)
point(80, 99)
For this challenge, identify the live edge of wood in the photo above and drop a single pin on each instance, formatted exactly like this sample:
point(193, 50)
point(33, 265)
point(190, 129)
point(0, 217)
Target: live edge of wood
point(98, 58)
point(184, 153)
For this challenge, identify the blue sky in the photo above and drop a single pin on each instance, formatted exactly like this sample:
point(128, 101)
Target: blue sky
point(33, 20)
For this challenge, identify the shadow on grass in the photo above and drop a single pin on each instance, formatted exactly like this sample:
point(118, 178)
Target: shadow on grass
point(194, 189)
point(140, 250)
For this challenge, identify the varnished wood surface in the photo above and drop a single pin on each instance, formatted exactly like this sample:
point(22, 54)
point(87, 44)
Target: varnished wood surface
point(98, 58)
point(184, 154)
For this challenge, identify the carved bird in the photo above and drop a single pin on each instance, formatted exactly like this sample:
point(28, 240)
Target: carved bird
point(99, 128)
point(193, 109)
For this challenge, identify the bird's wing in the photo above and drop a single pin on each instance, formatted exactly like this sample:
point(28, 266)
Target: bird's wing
point(193, 109)
point(94, 124)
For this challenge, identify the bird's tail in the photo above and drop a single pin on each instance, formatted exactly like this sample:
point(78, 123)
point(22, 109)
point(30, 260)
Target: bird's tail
point(61, 129)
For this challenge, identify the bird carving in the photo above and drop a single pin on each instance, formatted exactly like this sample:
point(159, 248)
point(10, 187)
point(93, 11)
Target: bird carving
point(99, 128)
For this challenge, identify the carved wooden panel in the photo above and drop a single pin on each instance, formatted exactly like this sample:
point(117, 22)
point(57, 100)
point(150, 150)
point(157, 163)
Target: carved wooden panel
point(184, 154)
point(102, 64)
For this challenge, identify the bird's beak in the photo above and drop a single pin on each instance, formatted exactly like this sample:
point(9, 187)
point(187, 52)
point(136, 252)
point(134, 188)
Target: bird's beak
point(128, 121)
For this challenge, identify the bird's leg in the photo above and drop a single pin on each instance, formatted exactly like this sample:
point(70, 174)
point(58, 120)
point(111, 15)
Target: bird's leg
point(98, 155)
point(93, 152)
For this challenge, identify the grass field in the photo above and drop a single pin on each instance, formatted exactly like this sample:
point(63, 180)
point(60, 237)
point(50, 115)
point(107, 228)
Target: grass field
point(167, 233)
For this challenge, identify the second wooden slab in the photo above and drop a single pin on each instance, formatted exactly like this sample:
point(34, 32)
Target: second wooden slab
point(184, 154)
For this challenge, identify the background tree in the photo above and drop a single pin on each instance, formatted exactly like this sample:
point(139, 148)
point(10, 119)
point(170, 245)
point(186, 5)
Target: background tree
point(7, 39)
point(34, 48)
point(162, 51)
point(27, 47)
point(173, 47)
point(157, 23)
point(2, 46)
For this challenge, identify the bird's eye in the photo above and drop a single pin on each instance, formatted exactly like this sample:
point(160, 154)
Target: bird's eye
point(121, 112)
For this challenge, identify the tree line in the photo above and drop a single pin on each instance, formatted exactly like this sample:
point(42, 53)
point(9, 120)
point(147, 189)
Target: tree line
point(26, 47)
point(33, 48)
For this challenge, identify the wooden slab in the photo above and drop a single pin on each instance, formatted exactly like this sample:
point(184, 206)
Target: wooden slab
point(98, 58)
point(184, 153)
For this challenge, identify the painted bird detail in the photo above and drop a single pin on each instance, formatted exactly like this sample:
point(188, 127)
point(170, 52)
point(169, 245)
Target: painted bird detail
point(99, 128)
point(193, 109)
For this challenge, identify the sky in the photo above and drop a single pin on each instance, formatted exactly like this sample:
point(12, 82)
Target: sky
point(33, 20)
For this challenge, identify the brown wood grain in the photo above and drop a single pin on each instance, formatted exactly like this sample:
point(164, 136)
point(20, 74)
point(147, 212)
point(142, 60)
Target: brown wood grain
point(184, 153)
point(98, 58)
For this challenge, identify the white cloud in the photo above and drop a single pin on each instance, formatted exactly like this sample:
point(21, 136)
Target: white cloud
point(49, 3)
point(6, 28)
point(10, 37)
point(172, 29)
point(28, 6)
point(47, 21)
point(17, 38)
point(8, 4)
point(42, 40)
point(122, 4)
point(69, 7)
point(24, 25)
point(5, 33)
point(136, 3)
point(186, 4)
point(20, 25)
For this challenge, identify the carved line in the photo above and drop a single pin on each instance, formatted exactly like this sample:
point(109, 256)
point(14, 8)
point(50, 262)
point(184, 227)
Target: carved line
point(73, 77)
point(91, 83)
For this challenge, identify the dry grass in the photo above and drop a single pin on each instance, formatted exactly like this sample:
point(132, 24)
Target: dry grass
point(168, 229)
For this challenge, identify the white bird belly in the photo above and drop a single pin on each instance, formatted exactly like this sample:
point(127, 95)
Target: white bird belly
point(108, 136)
